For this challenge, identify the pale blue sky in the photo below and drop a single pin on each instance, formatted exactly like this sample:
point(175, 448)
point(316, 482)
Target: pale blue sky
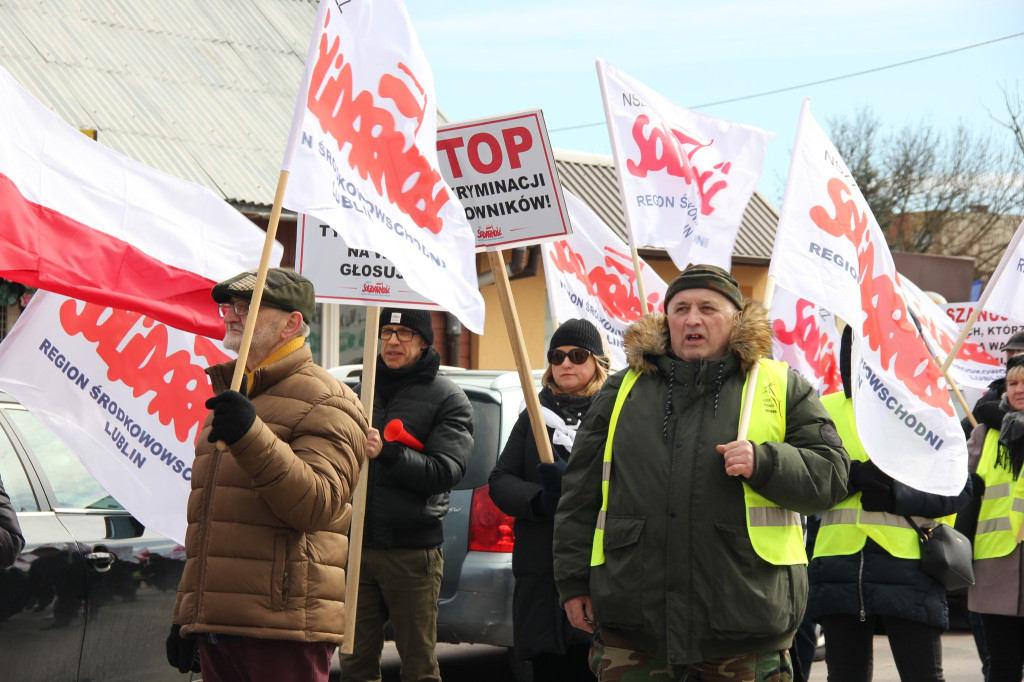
point(492, 58)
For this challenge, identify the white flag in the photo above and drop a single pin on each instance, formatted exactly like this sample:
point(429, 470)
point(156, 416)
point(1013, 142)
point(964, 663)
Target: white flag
point(590, 276)
point(362, 153)
point(126, 394)
point(973, 366)
point(659, 187)
point(805, 337)
point(1003, 292)
point(830, 250)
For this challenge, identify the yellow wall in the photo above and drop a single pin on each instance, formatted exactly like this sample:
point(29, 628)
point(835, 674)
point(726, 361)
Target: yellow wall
point(493, 350)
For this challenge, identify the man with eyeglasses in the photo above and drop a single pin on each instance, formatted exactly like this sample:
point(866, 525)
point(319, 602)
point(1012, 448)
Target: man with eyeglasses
point(408, 493)
point(263, 590)
point(677, 543)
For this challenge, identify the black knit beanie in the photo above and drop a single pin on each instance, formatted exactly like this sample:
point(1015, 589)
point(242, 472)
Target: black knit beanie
point(706, 277)
point(579, 333)
point(419, 320)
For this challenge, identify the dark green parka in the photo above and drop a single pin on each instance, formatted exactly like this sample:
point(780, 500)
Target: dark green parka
point(681, 579)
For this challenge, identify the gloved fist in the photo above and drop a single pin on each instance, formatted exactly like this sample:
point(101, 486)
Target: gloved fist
point(874, 484)
point(233, 415)
point(551, 486)
point(182, 653)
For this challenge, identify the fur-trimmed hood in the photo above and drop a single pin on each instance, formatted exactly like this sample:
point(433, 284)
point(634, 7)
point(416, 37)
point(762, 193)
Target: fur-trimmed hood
point(751, 338)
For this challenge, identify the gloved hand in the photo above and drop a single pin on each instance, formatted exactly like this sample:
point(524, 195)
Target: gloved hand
point(551, 486)
point(182, 653)
point(875, 486)
point(233, 414)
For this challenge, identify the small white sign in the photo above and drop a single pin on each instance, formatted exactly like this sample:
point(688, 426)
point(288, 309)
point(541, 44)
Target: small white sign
point(342, 274)
point(502, 170)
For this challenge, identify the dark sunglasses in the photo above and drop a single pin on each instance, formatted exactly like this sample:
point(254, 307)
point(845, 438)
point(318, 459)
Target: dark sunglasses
point(577, 356)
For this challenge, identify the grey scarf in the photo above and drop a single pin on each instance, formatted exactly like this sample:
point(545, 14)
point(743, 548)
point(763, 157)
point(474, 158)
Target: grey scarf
point(1011, 439)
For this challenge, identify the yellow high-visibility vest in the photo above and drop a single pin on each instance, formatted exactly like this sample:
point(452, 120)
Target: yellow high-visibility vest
point(846, 527)
point(775, 533)
point(1002, 507)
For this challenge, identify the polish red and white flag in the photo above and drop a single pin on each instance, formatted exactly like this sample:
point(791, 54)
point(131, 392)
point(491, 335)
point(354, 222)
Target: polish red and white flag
point(830, 250)
point(80, 219)
point(362, 153)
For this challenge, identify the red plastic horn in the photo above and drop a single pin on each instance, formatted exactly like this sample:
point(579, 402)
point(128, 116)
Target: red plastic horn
point(395, 431)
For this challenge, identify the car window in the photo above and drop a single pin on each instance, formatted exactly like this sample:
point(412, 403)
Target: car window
point(72, 483)
point(15, 480)
point(486, 422)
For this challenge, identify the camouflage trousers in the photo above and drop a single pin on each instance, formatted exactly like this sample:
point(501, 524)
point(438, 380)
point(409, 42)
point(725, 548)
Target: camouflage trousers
point(614, 664)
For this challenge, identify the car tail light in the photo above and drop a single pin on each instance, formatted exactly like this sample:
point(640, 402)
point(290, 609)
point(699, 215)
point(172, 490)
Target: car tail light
point(490, 529)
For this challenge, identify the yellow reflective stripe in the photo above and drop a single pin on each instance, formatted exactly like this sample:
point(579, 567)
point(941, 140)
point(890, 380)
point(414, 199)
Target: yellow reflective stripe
point(886, 519)
point(597, 547)
point(773, 516)
point(994, 525)
point(839, 516)
point(996, 491)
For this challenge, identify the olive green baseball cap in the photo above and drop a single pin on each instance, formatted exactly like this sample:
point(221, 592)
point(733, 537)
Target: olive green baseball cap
point(284, 289)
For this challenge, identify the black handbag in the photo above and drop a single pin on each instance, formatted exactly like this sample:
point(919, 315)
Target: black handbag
point(946, 555)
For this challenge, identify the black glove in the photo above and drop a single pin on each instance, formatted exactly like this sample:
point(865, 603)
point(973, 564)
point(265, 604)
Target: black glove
point(875, 486)
point(551, 486)
point(233, 414)
point(182, 653)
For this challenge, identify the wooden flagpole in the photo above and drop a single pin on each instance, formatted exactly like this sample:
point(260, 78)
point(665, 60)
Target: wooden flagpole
point(644, 308)
point(522, 360)
point(748, 398)
point(355, 537)
point(1011, 247)
point(261, 281)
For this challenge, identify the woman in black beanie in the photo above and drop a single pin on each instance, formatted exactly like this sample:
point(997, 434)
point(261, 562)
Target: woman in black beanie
point(524, 487)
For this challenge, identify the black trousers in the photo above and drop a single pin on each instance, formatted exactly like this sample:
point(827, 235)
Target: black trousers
point(916, 648)
point(569, 667)
point(1004, 641)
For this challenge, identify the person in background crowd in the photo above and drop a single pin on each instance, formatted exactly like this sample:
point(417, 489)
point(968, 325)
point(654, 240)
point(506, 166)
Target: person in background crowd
point(673, 579)
point(988, 404)
point(11, 539)
point(987, 410)
point(996, 453)
point(866, 564)
point(407, 496)
point(528, 489)
point(263, 591)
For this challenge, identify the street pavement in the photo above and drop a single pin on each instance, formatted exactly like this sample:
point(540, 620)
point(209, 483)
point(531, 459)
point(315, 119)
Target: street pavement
point(474, 662)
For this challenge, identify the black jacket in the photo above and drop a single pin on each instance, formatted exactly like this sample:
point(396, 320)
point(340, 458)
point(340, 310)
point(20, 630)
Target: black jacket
point(408, 491)
point(874, 582)
point(539, 623)
point(11, 540)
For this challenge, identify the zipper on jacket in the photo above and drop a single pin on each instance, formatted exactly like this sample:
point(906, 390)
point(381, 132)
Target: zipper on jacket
point(860, 586)
point(210, 486)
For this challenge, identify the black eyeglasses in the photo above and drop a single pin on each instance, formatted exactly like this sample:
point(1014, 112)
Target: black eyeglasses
point(403, 334)
point(577, 356)
point(241, 308)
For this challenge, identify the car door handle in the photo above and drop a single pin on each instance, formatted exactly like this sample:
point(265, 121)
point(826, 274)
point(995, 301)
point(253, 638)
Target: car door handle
point(100, 561)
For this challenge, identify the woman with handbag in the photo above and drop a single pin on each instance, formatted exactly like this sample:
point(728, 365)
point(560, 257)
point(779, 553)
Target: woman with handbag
point(996, 453)
point(524, 487)
point(866, 566)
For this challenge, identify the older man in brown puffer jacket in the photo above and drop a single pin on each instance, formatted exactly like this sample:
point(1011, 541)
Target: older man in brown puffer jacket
point(262, 594)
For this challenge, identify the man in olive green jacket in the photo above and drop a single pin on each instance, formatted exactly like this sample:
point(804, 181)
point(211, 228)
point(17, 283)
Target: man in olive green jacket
point(699, 566)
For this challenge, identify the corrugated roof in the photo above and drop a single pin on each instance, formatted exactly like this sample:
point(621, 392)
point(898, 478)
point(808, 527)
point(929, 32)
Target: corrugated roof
point(201, 90)
point(591, 177)
point(204, 90)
